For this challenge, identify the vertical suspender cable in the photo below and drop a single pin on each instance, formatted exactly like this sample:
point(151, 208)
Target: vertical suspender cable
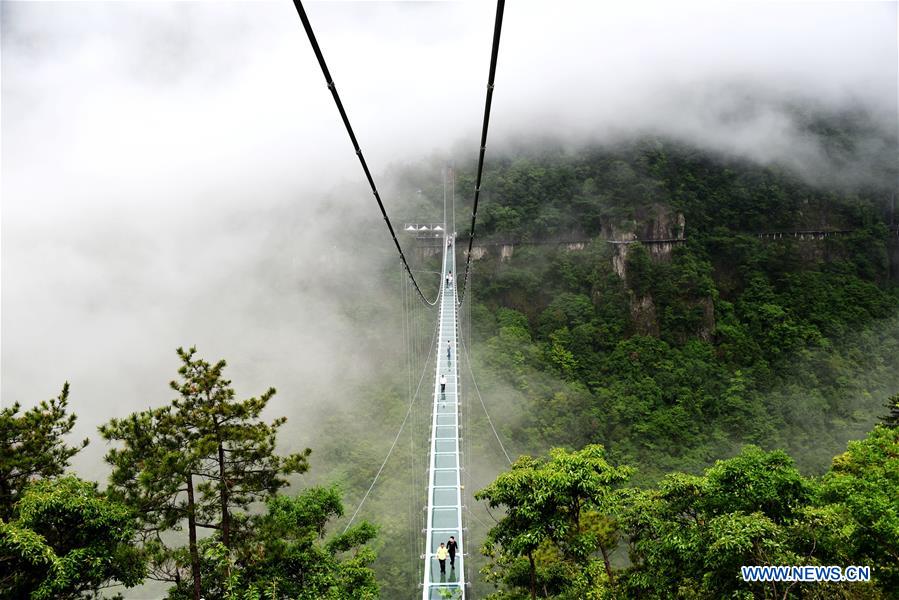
point(468, 308)
point(411, 382)
point(408, 380)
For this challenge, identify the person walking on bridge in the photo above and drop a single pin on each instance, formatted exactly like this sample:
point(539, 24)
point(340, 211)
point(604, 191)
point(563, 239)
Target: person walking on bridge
point(451, 547)
point(449, 351)
point(443, 383)
point(442, 553)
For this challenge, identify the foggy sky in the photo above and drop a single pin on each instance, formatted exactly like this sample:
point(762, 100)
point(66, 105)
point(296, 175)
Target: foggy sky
point(177, 174)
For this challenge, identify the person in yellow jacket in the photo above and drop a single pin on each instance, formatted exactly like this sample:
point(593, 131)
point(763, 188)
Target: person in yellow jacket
point(442, 553)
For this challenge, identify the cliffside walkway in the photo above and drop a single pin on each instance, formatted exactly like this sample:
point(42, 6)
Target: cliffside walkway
point(444, 509)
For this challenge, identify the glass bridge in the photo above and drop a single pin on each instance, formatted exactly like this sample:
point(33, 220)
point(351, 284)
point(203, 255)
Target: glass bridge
point(444, 516)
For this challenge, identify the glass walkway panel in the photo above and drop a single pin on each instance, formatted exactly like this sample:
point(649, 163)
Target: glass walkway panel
point(444, 517)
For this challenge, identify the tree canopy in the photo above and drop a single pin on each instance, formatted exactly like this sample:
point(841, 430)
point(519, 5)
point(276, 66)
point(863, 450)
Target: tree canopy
point(689, 535)
point(202, 462)
point(67, 539)
point(32, 446)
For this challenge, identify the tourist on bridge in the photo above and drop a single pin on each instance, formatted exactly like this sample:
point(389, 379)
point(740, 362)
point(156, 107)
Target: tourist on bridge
point(449, 350)
point(451, 547)
point(449, 279)
point(442, 553)
point(443, 383)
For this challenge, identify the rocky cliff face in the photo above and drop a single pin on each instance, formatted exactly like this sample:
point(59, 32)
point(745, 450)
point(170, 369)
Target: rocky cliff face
point(619, 259)
point(707, 330)
point(478, 252)
point(658, 229)
point(643, 315)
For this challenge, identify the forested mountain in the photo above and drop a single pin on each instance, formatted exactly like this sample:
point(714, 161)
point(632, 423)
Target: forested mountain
point(704, 334)
point(673, 306)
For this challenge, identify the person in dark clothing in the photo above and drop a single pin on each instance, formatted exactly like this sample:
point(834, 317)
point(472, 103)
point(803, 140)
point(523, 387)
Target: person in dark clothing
point(449, 349)
point(451, 547)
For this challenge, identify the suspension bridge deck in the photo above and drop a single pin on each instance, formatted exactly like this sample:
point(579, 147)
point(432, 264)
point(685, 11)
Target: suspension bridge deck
point(444, 510)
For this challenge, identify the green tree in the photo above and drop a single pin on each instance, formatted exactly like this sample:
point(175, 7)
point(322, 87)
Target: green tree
point(67, 540)
point(236, 446)
point(863, 486)
point(288, 556)
point(689, 536)
point(309, 566)
point(550, 506)
point(32, 446)
point(204, 459)
point(154, 471)
point(892, 418)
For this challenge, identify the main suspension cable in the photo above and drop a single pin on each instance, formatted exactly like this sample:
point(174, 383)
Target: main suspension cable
point(497, 28)
point(349, 129)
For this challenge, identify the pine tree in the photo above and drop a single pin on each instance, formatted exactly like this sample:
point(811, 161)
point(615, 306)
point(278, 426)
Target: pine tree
point(32, 447)
point(204, 459)
point(891, 420)
point(237, 448)
point(153, 472)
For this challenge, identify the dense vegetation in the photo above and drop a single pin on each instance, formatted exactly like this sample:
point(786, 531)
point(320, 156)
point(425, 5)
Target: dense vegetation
point(689, 536)
point(203, 461)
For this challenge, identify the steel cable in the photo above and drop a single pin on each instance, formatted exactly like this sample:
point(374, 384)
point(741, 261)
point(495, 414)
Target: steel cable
point(398, 433)
point(497, 28)
point(349, 129)
point(484, 406)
